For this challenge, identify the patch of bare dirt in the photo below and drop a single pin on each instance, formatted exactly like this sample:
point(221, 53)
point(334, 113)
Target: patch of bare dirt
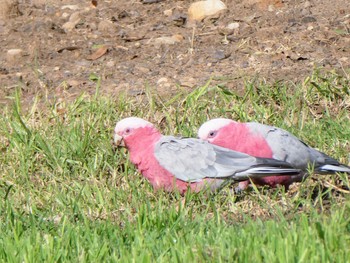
point(59, 48)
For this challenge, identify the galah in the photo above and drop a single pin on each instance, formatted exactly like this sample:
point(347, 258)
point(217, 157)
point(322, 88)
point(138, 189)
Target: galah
point(179, 164)
point(269, 142)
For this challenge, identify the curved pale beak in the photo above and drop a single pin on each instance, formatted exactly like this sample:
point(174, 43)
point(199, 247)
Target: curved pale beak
point(118, 140)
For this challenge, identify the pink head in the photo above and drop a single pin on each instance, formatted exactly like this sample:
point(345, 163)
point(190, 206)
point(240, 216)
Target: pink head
point(212, 129)
point(126, 130)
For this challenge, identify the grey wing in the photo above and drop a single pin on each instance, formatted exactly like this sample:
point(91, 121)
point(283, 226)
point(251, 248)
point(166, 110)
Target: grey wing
point(286, 147)
point(192, 160)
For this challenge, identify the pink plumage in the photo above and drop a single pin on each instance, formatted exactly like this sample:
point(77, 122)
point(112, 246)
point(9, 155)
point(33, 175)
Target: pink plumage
point(140, 141)
point(269, 142)
point(180, 164)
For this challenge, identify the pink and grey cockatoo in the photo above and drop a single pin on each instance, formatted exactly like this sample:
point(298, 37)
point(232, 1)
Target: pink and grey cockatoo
point(269, 142)
point(177, 164)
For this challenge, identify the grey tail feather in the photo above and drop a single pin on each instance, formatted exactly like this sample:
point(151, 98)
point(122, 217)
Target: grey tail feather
point(333, 168)
point(258, 172)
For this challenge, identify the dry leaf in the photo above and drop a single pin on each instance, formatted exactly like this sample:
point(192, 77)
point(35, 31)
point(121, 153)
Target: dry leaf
point(98, 53)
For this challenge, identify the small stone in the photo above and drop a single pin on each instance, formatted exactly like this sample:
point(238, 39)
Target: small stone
point(162, 80)
point(71, 7)
point(110, 64)
point(168, 12)
point(271, 8)
point(75, 17)
point(163, 83)
point(219, 55)
point(68, 26)
point(308, 19)
point(307, 4)
point(164, 40)
point(92, 26)
point(142, 69)
point(73, 82)
point(178, 37)
point(65, 15)
point(199, 10)
point(167, 40)
point(136, 92)
point(233, 26)
point(305, 12)
point(56, 68)
point(14, 55)
point(188, 82)
point(179, 19)
point(244, 64)
point(106, 26)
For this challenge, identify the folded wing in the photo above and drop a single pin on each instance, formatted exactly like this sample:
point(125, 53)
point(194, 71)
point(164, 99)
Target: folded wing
point(192, 160)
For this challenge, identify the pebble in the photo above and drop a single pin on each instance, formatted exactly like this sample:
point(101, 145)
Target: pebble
point(271, 8)
point(73, 82)
point(168, 12)
point(164, 83)
point(110, 64)
point(106, 26)
point(244, 64)
point(167, 40)
point(219, 55)
point(14, 55)
point(178, 19)
point(308, 19)
point(65, 15)
point(232, 26)
point(75, 17)
point(307, 4)
point(71, 7)
point(162, 80)
point(142, 69)
point(68, 26)
point(202, 9)
point(188, 82)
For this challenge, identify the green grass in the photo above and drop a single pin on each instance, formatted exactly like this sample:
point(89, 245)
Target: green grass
point(68, 196)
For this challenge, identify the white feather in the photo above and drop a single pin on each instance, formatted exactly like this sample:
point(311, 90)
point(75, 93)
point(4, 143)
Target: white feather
point(212, 125)
point(131, 123)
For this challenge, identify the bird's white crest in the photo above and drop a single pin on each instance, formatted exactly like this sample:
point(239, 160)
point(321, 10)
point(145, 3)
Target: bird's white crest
point(212, 125)
point(131, 123)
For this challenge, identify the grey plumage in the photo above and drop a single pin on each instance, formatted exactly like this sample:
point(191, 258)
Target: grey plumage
point(192, 160)
point(285, 146)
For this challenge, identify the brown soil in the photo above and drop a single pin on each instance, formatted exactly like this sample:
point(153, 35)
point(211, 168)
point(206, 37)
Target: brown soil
point(118, 42)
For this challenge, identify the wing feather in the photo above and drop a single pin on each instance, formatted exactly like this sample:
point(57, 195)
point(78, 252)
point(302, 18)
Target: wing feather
point(287, 147)
point(192, 160)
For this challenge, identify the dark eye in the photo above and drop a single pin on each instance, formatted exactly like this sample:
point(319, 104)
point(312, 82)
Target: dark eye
point(127, 131)
point(212, 134)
